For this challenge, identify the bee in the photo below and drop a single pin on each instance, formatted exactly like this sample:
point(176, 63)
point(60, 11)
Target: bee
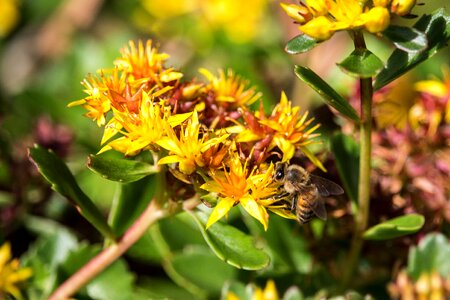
point(305, 190)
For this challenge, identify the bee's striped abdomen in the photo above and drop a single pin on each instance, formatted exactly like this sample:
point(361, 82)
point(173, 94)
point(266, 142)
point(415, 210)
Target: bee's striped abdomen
point(303, 211)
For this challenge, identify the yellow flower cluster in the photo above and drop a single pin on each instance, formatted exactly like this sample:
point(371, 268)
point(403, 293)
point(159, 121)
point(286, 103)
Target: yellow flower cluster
point(430, 286)
point(320, 19)
point(239, 20)
point(423, 104)
point(11, 273)
point(203, 130)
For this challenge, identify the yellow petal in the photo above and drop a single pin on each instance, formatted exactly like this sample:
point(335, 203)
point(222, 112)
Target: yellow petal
point(170, 159)
point(111, 129)
point(256, 211)
point(177, 119)
point(432, 87)
point(312, 158)
point(5, 254)
point(75, 103)
point(286, 147)
point(169, 144)
point(270, 292)
point(222, 208)
point(320, 28)
point(376, 20)
point(211, 186)
point(296, 12)
point(171, 76)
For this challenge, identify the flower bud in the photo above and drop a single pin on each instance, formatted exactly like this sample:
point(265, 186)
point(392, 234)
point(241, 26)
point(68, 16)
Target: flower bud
point(376, 20)
point(320, 28)
point(382, 3)
point(299, 13)
point(402, 7)
point(318, 7)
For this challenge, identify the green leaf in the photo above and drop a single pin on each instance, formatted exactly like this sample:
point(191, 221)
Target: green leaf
point(437, 30)
point(160, 289)
point(58, 174)
point(300, 44)
point(130, 201)
point(361, 63)
point(396, 227)
point(346, 154)
point(120, 169)
point(432, 254)
point(291, 249)
point(329, 95)
point(114, 283)
point(406, 39)
point(231, 245)
point(45, 255)
point(196, 265)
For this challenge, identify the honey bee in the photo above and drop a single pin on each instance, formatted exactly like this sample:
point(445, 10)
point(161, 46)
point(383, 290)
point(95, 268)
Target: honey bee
point(305, 190)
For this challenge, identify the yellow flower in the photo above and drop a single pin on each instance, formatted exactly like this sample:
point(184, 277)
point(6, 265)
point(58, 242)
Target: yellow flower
point(146, 63)
point(189, 148)
point(290, 130)
point(9, 16)
point(393, 107)
point(437, 108)
point(269, 293)
point(163, 9)
point(142, 130)
point(330, 16)
point(10, 273)
point(240, 20)
point(230, 90)
point(236, 184)
point(97, 103)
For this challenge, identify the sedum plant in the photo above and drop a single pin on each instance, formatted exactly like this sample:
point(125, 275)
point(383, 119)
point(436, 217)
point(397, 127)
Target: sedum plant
point(207, 144)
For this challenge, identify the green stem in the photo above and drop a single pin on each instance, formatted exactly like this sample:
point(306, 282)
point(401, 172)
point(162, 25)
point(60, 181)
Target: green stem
point(362, 215)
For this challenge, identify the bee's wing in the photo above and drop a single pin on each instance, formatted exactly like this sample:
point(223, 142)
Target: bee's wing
point(326, 187)
point(318, 207)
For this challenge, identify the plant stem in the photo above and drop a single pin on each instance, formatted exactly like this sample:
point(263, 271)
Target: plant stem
point(362, 215)
point(100, 262)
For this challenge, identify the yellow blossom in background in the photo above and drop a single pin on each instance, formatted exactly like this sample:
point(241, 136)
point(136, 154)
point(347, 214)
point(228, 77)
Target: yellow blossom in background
point(188, 149)
point(163, 9)
point(11, 274)
point(392, 107)
point(269, 292)
point(402, 7)
point(240, 20)
point(320, 19)
point(9, 16)
point(439, 111)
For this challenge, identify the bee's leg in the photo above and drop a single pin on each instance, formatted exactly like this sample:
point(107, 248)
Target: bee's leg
point(281, 196)
point(294, 201)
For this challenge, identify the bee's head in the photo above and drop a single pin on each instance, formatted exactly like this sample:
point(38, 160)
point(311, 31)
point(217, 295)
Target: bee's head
point(279, 172)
